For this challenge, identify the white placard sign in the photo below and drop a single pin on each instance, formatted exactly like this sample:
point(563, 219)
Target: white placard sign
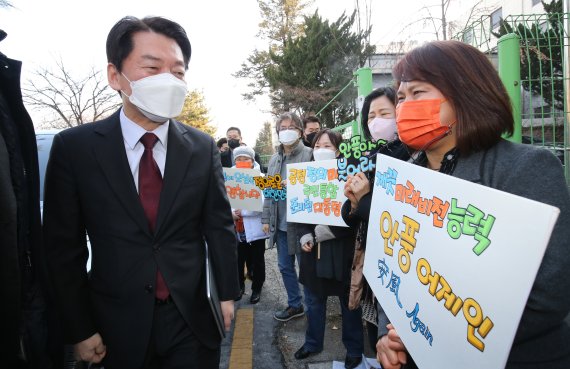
point(241, 189)
point(452, 263)
point(314, 193)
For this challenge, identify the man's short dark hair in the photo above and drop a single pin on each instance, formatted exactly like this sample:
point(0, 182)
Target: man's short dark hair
point(310, 119)
point(221, 142)
point(234, 129)
point(120, 38)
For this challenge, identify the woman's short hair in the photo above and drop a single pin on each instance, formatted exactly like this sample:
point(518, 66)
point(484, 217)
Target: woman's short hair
point(469, 81)
point(334, 136)
point(379, 92)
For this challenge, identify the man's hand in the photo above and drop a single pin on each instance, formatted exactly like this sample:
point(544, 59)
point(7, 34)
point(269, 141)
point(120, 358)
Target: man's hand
point(265, 228)
point(91, 350)
point(228, 313)
point(391, 353)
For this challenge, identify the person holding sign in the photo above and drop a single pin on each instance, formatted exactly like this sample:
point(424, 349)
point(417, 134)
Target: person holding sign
point(250, 235)
point(378, 124)
point(324, 271)
point(452, 112)
point(274, 217)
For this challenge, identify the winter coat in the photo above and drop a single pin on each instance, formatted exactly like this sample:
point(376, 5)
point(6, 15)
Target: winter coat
point(329, 274)
point(300, 154)
point(24, 286)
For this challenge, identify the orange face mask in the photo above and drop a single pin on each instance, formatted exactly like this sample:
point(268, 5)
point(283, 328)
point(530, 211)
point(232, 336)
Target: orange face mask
point(419, 124)
point(243, 164)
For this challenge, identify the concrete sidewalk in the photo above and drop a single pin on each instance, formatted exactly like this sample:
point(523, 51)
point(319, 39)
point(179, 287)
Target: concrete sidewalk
point(274, 342)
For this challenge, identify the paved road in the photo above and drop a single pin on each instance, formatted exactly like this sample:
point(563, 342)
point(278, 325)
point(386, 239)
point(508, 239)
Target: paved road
point(274, 343)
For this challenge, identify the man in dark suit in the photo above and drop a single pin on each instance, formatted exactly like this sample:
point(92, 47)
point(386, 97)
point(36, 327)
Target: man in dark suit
point(148, 191)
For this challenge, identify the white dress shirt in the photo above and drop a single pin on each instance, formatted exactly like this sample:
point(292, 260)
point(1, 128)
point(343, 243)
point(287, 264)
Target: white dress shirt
point(132, 134)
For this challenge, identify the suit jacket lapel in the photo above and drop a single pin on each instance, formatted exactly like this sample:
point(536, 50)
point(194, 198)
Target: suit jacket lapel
point(178, 154)
point(110, 153)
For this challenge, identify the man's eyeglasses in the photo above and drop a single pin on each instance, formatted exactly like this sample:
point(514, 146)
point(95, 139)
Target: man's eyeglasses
point(290, 128)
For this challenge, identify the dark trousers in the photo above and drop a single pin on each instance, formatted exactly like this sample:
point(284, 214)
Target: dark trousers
point(174, 346)
point(255, 250)
point(352, 335)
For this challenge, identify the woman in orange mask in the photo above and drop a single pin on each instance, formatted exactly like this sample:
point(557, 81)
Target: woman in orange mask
point(452, 112)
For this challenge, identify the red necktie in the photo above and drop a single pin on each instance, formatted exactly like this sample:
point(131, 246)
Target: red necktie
point(150, 185)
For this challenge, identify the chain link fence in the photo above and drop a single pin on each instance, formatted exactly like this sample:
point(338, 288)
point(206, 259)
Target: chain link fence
point(543, 106)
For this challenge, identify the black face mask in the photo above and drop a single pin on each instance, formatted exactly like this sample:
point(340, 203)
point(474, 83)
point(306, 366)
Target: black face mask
point(233, 143)
point(310, 138)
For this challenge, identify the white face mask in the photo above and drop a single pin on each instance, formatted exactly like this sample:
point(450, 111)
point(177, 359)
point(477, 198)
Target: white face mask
point(383, 129)
point(159, 97)
point(288, 136)
point(324, 154)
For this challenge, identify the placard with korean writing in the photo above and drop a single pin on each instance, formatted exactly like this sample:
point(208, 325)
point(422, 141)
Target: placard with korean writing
point(241, 189)
point(452, 263)
point(314, 194)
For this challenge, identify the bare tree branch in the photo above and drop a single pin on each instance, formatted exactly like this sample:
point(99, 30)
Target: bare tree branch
point(74, 100)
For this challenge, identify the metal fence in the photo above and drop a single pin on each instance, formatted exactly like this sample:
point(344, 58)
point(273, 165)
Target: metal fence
point(541, 106)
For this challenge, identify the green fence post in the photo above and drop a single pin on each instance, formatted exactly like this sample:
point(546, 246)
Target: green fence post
point(364, 87)
point(510, 73)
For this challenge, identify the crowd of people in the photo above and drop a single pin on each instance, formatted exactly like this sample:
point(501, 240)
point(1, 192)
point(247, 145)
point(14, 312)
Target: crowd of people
point(149, 192)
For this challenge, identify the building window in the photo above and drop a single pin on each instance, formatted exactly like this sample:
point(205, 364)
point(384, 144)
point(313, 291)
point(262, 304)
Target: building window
point(535, 2)
point(496, 17)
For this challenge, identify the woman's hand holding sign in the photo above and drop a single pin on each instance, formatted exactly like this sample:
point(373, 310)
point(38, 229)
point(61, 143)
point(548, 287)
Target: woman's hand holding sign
point(360, 185)
point(391, 352)
point(307, 242)
point(355, 188)
point(348, 192)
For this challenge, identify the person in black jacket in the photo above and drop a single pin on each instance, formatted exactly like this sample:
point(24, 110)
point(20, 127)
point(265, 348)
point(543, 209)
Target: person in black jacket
point(461, 135)
point(325, 271)
point(234, 140)
point(378, 124)
point(23, 283)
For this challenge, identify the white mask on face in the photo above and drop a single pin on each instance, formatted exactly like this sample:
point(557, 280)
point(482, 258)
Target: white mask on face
point(324, 154)
point(383, 129)
point(159, 97)
point(288, 136)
